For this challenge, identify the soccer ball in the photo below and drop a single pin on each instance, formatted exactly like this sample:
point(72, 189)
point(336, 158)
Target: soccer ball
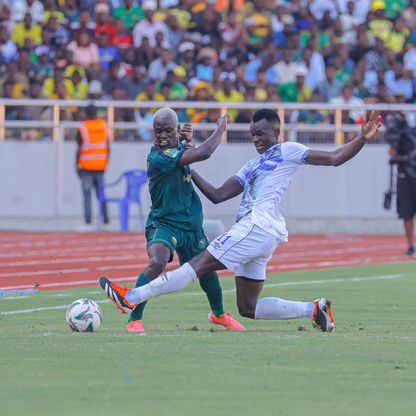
point(84, 315)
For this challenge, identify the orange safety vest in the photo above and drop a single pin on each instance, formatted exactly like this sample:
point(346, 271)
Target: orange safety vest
point(94, 146)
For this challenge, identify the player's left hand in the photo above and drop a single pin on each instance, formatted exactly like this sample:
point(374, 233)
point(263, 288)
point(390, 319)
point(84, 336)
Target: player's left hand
point(186, 132)
point(371, 125)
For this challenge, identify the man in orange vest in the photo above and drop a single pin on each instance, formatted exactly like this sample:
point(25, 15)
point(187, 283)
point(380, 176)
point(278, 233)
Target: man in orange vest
point(92, 160)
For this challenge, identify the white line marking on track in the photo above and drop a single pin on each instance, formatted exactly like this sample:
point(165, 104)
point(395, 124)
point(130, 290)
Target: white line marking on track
point(45, 308)
point(14, 297)
point(269, 285)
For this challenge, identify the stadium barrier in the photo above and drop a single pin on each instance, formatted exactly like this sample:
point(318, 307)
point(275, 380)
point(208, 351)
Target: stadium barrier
point(334, 132)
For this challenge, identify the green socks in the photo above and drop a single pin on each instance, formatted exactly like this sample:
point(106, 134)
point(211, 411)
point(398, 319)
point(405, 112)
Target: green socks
point(210, 284)
point(137, 313)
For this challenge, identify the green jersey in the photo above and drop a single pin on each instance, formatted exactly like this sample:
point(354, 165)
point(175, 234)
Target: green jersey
point(174, 200)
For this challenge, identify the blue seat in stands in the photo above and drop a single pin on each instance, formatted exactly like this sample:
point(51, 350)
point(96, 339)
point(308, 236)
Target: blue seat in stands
point(134, 181)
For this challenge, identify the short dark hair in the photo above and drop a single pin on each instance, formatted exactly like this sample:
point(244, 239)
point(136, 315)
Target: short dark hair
point(91, 111)
point(266, 114)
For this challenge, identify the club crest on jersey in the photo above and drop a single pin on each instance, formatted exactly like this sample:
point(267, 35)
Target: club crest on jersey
point(187, 178)
point(171, 152)
point(202, 243)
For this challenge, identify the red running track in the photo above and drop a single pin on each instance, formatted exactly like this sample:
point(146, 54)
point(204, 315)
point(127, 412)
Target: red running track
point(65, 260)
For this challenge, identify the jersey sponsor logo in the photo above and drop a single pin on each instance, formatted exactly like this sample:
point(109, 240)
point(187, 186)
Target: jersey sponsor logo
point(171, 152)
point(187, 178)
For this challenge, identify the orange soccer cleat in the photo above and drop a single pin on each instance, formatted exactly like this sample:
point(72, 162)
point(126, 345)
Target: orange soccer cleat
point(136, 326)
point(116, 294)
point(322, 316)
point(227, 321)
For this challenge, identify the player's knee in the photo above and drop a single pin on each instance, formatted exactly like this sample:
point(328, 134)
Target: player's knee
point(156, 267)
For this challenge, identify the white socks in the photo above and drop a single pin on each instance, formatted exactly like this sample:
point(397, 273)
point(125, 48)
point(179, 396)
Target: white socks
point(169, 282)
point(275, 308)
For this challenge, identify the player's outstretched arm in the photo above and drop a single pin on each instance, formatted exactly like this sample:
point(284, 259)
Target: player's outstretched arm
point(229, 189)
point(206, 149)
point(344, 153)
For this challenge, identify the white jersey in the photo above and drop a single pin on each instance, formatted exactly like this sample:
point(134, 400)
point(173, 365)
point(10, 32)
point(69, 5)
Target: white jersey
point(265, 180)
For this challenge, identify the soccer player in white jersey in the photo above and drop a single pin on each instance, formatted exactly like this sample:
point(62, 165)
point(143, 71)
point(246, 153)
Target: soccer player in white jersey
point(250, 243)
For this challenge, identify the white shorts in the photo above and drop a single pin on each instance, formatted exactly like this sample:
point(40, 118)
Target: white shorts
point(245, 249)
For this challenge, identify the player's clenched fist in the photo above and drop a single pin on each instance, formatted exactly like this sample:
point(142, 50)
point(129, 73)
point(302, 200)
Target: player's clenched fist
point(223, 120)
point(186, 132)
point(371, 125)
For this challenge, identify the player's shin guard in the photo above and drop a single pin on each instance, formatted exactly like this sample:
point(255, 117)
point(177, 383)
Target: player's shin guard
point(210, 284)
point(275, 308)
point(169, 282)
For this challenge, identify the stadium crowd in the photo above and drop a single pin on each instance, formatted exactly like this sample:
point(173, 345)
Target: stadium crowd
point(335, 51)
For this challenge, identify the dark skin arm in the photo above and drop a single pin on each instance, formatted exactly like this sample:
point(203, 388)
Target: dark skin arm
point(229, 189)
point(344, 153)
point(208, 147)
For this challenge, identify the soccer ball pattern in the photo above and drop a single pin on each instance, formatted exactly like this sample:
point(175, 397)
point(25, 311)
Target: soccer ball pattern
point(84, 315)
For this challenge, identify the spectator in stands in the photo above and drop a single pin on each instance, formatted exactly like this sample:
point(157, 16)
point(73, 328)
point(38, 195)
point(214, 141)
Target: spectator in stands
point(106, 51)
point(52, 9)
point(144, 116)
point(84, 24)
point(186, 58)
point(346, 97)
point(79, 88)
point(136, 82)
point(8, 49)
point(398, 81)
point(27, 32)
point(396, 39)
point(159, 68)
point(378, 25)
point(22, 7)
point(111, 80)
point(85, 51)
point(95, 90)
point(330, 87)
point(104, 22)
point(207, 59)
point(71, 11)
point(175, 31)
point(150, 93)
point(129, 12)
point(50, 84)
point(148, 27)
point(58, 33)
point(25, 66)
point(228, 93)
point(178, 90)
point(45, 67)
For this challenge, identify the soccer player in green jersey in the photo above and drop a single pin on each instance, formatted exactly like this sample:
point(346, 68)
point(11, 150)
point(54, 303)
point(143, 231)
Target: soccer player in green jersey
point(175, 219)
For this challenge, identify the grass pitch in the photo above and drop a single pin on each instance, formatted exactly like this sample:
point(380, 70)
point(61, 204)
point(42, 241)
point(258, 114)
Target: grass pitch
point(367, 367)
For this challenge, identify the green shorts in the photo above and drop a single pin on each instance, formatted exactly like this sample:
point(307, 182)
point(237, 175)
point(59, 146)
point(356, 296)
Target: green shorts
point(187, 244)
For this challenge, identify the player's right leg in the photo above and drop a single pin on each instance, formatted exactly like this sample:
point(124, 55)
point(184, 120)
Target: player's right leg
point(161, 244)
point(159, 255)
